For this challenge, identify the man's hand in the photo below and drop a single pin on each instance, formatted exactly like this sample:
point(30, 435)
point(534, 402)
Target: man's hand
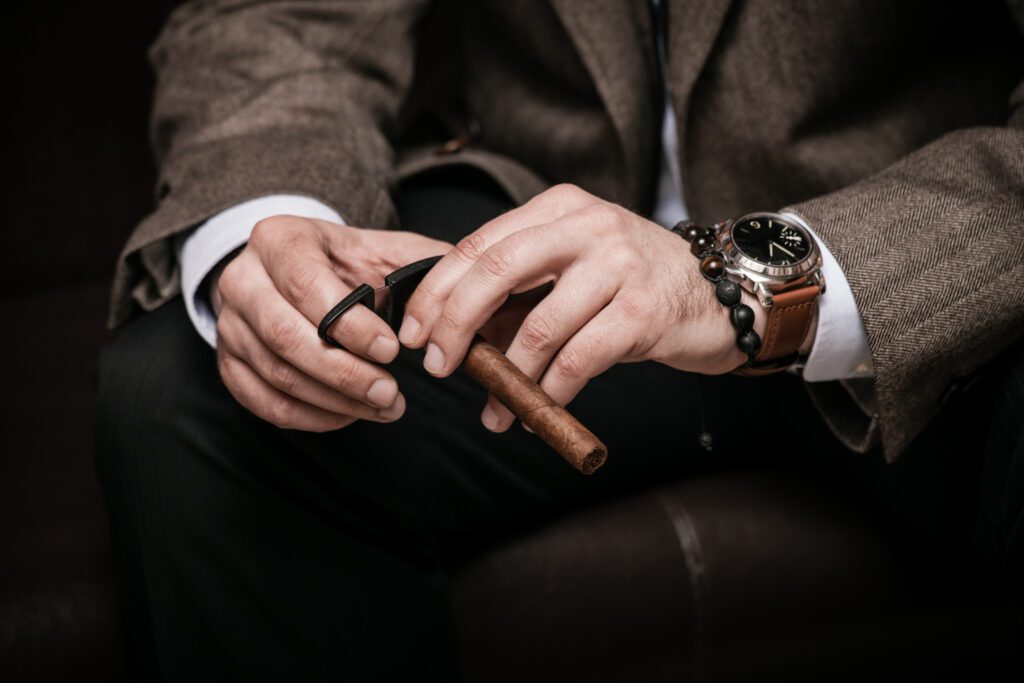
point(625, 289)
point(269, 301)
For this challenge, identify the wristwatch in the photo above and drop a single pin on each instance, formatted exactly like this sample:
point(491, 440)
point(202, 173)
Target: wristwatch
point(775, 257)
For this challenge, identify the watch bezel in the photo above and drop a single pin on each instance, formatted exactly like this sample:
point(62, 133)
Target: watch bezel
point(762, 272)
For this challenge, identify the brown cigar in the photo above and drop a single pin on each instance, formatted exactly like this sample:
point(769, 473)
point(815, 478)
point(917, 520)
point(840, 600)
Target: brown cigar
point(538, 411)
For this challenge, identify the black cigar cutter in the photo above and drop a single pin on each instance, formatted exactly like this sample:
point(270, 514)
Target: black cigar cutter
point(388, 301)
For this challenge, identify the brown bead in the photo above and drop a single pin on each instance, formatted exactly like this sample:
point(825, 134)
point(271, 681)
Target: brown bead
point(712, 266)
point(706, 241)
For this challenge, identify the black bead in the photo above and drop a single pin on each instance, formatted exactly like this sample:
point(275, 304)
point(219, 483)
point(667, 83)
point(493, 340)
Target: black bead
point(687, 230)
point(749, 342)
point(742, 318)
point(693, 232)
point(705, 241)
point(728, 292)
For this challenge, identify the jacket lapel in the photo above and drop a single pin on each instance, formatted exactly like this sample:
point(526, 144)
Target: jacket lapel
point(615, 43)
point(693, 27)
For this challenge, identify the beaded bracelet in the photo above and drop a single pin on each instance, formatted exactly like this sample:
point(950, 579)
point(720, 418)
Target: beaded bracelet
point(704, 245)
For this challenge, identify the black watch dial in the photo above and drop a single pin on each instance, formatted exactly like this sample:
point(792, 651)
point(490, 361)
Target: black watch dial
point(771, 242)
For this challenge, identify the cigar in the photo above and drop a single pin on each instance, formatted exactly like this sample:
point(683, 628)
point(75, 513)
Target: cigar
point(531, 404)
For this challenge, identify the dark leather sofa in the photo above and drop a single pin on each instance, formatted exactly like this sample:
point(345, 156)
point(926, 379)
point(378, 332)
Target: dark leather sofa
point(749, 573)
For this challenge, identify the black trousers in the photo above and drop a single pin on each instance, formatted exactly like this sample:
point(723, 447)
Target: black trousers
point(253, 553)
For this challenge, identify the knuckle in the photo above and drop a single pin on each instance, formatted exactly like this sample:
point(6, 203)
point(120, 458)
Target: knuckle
point(228, 368)
point(279, 412)
point(471, 247)
point(567, 193)
point(229, 279)
point(272, 227)
point(283, 338)
point(300, 283)
point(222, 330)
point(538, 334)
point(345, 374)
point(622, 258)
point(265, 231)
point(426, 295)
point(570, 363)
point(498, 262)
point(283, 376)
point(632, 308)
point(230, 341)
point(450, 319)
point(224, 366)
point(600, 216)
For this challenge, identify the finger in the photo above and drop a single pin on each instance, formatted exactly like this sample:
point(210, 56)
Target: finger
point(520, 261)
point(304, 275)
point(240, 341)
point(426, 303)
point(606, 340)
point(363, 332)
point(575, 300)
point(293, 338)
point(273, 405)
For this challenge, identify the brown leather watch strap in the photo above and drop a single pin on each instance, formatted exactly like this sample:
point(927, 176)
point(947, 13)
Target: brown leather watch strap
point(789, 320)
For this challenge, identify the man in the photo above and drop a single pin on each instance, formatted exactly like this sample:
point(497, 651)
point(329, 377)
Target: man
point(288, 504)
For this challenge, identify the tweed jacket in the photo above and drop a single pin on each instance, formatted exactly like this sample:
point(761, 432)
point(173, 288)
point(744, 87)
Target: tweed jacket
point(896, 128)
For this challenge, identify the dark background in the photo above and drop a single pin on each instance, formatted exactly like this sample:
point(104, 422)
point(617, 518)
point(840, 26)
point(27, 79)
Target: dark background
point(78, 88)
point(78, 175)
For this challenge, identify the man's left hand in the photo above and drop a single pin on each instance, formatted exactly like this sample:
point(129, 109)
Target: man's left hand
point(625, 290)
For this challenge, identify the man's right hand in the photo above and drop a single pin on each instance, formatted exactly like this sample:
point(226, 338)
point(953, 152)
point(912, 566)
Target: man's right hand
point(270, 299)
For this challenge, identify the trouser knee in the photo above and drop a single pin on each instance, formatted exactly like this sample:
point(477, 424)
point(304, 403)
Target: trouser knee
point(145, 376)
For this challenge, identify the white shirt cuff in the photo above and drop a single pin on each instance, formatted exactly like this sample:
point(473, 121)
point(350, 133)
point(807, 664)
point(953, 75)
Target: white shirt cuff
point(200, 251)
point(840, 349)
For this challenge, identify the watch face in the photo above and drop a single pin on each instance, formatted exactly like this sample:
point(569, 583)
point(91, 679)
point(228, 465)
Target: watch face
point(770, 241)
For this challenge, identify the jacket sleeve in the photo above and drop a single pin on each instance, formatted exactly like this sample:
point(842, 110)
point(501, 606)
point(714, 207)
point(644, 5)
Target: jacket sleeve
point(933, 249)
point(266, 97)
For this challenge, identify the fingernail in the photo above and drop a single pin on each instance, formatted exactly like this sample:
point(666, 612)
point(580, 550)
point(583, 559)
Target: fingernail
point(489, 418)
point(527, 427)
point(382, 393)
point(395, 410)
point(434, 360)
point(409, 331)
point(383, 349)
